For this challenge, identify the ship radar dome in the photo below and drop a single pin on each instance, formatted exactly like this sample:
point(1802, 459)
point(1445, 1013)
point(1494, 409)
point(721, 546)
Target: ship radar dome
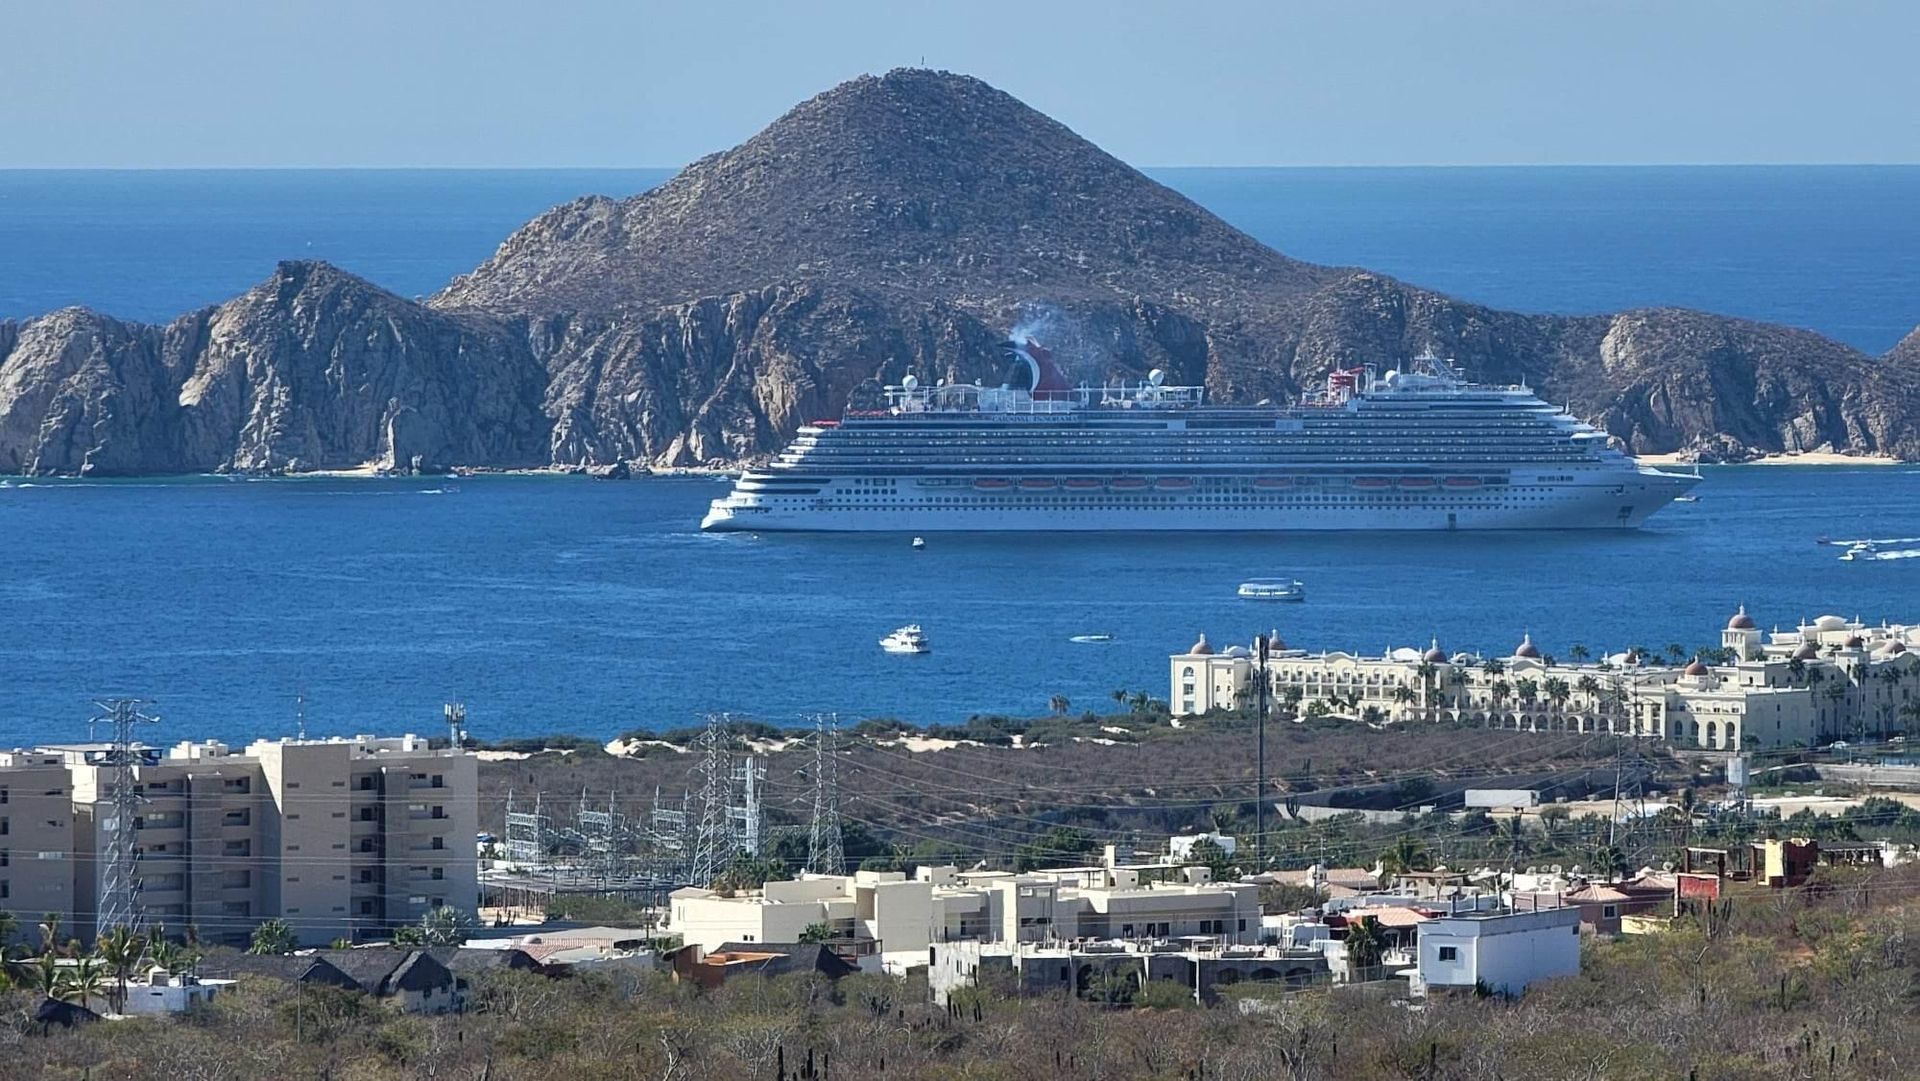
point(1741, 621)
point(1697, 668)
point(909, 382)
point(1157, 376)
point(1527, 648)
point(1201, 648)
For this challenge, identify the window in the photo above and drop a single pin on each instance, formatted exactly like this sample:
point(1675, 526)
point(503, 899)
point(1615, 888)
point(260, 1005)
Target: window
point(1610, 911)
point(1449, 953)
point(439, 842)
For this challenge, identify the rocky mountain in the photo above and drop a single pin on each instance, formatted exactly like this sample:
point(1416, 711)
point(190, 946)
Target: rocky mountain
point(892, 224)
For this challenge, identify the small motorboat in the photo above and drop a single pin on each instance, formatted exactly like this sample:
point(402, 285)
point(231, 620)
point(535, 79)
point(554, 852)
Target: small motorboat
point(1273, 589)
point(907, 639)
point(1087, 639)
point(1686, 499)
point(919, 543)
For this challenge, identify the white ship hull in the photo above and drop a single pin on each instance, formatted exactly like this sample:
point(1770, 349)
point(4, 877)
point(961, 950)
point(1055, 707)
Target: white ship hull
point(1611, 501)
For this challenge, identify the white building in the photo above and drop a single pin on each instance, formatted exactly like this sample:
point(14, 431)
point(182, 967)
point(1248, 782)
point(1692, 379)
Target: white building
point(1506, 951)
point(162, 992)
point(1828, 678)
point(888, 914)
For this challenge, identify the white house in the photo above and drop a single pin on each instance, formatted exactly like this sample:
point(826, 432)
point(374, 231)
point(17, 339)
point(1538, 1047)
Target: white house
point(1506, 951)
point(162, 992)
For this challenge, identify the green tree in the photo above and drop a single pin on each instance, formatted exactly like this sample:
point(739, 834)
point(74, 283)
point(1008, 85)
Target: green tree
point(445, 926)
point(1211, 854)
point(51, 979)
point(1059, 704)
point(1366, 945)
point(1406, 854)
point(1579, 652)
point(1493, 666)
point(748, 872)
point(273, 936)
point(121, 950)
point(815, 933)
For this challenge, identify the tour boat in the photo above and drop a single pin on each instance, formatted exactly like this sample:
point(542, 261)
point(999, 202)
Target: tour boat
point(919, 543)
point(1273, 589)
point(907, 639)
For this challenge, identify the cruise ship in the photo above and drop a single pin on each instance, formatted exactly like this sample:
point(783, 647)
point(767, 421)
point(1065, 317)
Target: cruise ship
point(1420, 448)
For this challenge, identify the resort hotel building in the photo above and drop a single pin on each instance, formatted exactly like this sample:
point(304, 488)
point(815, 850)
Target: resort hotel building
point(1827, 679)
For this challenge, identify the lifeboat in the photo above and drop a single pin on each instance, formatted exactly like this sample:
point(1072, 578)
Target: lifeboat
point(1128, 484)
point(1417, 483)
point(1082, 484)
point(1461, 483)
point(1038, 484)
point(1173, 484)
point(1270, 483)
point(992, 484)
point(1372, 483)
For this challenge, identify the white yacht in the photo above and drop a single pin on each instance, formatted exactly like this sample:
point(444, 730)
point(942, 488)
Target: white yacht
point(907, 639)
point(1420, 448)
point(1273, 589)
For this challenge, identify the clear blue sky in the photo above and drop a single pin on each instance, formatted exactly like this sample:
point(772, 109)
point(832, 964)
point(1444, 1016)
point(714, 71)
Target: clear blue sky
point(170, 83)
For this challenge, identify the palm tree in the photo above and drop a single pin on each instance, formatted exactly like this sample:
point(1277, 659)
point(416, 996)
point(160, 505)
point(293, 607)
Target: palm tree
point(1510, 836)
point(50, 932)
point(89, 980)
point(1059, 704)
point(1609, 862)
point(1578, 652)
point(1290, 697)
point(1372, 715)
point(1138, 702)
point(1500, 690)
point(1404, 696)
point(121, 948)
point(1676, 651)
point(1493, 666)
point(1119, 697)
point(1405, 855)
point(50, 978)
point(1557, 691)
point(1528, 691)
point(1365, 946)
point(9, 926)
point(273, 936)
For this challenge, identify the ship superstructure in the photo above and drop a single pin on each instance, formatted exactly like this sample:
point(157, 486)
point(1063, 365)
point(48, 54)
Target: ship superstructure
point(1421, 448)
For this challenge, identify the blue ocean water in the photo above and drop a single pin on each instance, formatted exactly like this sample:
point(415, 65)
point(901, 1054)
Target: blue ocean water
point(562, 604)
point(1834, 249)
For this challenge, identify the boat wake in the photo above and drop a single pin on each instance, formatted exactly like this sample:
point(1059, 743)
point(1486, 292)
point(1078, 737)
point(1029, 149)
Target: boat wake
point(1902, 553)
point(1875, 541)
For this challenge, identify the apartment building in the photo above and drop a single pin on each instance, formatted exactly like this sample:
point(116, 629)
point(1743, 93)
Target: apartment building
point(36, 833)
point(341, 838)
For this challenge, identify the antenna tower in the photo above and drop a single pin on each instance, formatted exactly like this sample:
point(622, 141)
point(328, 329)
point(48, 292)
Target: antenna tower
point(825, 856)
point(456, 714)
point(119, 904)
point(744, 818)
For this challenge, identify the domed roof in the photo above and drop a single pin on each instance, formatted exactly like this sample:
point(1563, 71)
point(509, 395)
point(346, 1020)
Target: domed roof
point(1434, 653)
point(1697, 668)
point(1806, 652)
point(1741, 621)
point(1275, 643)
point(1830, 623)
point(1527, 648)
point(1854, 641)
point(1894, 647)
point(1201, 648)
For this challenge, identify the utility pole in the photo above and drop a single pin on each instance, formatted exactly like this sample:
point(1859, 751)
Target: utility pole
point(1260, 758)
point(119, 904)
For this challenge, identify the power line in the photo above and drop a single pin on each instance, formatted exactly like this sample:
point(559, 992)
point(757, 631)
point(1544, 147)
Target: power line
point(825, 852)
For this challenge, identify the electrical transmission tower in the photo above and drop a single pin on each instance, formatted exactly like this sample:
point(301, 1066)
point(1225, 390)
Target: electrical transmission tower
point(709, 847)
point(825, 856)
point(529, 836)
point(119, 904)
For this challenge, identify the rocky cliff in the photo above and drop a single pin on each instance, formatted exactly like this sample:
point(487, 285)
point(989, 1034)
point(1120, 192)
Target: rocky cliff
point(311, 369)
point(891, 224)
